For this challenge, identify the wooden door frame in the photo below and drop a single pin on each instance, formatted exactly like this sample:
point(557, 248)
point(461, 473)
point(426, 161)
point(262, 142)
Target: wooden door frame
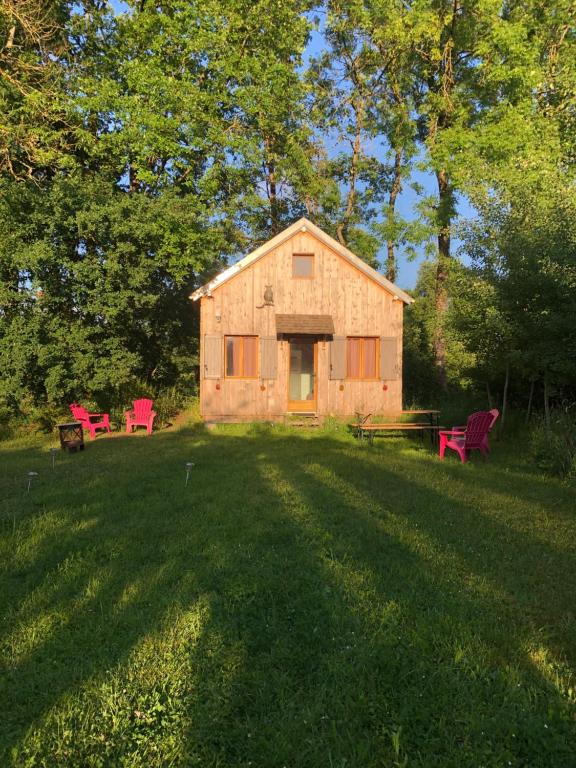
point(299, 406)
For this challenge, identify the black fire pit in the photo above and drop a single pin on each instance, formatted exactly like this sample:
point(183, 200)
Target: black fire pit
point(71, 436)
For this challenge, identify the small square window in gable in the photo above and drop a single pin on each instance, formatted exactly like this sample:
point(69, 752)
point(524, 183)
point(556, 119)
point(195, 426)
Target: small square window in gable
point(302, 265)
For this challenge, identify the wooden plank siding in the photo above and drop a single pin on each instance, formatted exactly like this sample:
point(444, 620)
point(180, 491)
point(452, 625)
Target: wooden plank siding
point(357, 304)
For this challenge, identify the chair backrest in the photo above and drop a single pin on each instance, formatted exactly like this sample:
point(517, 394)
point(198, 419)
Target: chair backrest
point(79, 412)
point(477, 428)
point(142, 408)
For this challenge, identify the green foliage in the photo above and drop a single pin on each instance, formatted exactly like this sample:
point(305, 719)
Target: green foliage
point(420, 374)
point(99, 290)
point(515, 307)
point(35, 134)
point(554, 448)
point(487, 87)
point(140, 151)
point(419, 379)
point(174, 161)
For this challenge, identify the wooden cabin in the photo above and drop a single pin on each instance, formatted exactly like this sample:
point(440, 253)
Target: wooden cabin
point(300, 326)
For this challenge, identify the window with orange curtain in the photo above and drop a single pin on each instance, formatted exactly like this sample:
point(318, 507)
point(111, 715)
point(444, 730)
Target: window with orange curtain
point(362, 357)
point(241, 357)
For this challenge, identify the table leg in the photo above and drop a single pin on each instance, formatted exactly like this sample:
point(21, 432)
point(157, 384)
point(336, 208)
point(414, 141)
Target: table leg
point(435, 422)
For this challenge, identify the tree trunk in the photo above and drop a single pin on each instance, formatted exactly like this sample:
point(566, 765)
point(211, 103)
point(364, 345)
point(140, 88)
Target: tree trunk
point(342, 228)
point(272, 190)
point(530, 396)
point(445, 206)
point(489, 396)
point(505, 397)
point(546, 402)
point(273, 196)
point(132, 179)
point(394, 192)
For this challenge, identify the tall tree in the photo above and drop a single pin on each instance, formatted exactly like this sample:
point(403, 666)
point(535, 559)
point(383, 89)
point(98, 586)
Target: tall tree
point(515, 307)
point(447, 42)
point(472, 71)
point(187, 147)
point(383, 30)
point(33, 127)
point(269, 124)
point(346, 80)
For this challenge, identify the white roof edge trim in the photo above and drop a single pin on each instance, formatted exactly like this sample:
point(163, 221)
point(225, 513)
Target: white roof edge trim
point(303, 225)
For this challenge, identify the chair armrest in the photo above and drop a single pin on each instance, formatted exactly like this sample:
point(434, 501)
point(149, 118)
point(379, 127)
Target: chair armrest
point(453, 432)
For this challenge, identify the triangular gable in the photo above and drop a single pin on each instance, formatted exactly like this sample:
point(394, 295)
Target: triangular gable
point(302, 225)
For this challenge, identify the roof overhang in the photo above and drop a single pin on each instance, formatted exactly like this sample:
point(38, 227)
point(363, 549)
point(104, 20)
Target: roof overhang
point(302, 225)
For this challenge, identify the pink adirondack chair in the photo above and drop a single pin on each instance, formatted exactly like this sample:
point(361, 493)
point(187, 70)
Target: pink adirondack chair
point(473, 437)
point(141, 415)
point(90, 421)
point(495, 413)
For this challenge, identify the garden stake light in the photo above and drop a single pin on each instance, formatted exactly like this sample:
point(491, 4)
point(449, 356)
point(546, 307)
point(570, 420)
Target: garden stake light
point(189, 465)
point(53, 452)
point(31, 476)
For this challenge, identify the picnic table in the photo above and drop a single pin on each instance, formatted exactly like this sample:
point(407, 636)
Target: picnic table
point(366, 428)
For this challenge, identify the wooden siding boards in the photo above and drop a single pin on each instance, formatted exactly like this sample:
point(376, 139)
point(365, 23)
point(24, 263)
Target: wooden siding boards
point(302, 225)
point(268, 357)
point(357, 305)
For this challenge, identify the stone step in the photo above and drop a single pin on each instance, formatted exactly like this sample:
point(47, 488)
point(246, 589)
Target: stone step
point(302, 420)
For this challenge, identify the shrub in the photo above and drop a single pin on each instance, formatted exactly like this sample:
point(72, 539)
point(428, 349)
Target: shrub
point(554, 449)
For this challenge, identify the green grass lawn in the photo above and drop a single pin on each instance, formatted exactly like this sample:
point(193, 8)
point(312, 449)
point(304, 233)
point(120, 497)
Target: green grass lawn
point(305, 601)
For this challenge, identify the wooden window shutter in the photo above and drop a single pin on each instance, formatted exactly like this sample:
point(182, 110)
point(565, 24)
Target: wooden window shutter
point(338, 357)
point(389, 362)
point(268, 357)
point(213, 353)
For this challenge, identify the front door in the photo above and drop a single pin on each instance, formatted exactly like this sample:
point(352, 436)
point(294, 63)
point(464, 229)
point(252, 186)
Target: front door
point(302, 376)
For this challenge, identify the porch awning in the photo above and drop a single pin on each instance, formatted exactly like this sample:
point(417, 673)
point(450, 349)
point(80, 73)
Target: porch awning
point(316, 325)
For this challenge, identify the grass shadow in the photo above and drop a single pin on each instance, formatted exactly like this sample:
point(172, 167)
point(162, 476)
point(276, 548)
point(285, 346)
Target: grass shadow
point(304, 601)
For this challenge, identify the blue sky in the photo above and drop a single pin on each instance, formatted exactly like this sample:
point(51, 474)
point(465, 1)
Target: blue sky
point(407, 200)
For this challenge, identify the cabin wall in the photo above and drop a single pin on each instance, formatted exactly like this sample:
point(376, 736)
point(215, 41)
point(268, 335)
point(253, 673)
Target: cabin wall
point(358, 305)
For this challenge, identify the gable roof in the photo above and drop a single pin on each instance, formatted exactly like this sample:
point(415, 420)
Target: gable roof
point(302, 225)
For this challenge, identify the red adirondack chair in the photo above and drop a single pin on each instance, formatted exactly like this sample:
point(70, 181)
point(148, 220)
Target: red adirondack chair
point(495, 413)
point(142, 415)
point(90, 421)
point(473, 437)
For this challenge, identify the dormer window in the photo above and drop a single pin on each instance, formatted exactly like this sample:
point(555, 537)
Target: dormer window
point(303, 265)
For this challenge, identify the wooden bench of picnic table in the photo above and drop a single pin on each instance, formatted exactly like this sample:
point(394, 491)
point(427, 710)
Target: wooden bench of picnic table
point(370, 429)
